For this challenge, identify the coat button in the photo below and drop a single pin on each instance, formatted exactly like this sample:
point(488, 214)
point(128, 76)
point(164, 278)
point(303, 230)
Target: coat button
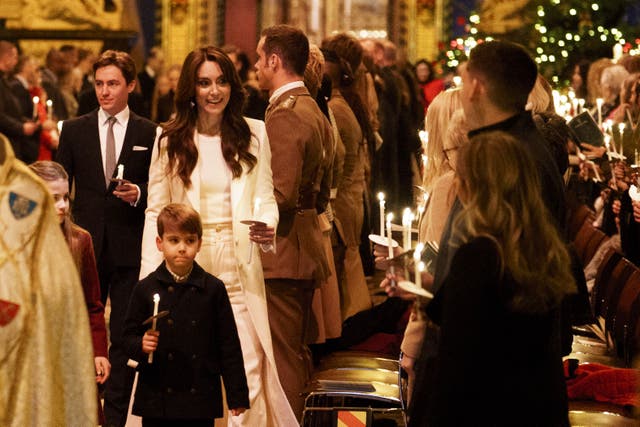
point(171, 289)
point(170, 356)
point(170, 322)
point(193, 391)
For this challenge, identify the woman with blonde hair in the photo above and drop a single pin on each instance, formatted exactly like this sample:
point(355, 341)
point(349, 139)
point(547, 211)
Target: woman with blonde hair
point(498, 308)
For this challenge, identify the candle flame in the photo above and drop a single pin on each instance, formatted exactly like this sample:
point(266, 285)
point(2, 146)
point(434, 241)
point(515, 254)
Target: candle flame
point(381, 196)
point(36, 99)
point(49, 103)
point(390, 217)
point(156, 297)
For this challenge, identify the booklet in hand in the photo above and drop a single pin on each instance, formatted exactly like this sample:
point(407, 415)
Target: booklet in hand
point(586, 129)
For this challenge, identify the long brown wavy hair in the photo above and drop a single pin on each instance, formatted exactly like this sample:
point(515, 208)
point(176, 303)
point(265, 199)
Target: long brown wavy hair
point(235, 133)
point(500, 191)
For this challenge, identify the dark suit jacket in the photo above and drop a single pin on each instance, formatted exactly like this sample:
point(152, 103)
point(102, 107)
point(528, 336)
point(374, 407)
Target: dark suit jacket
point(31, 144)
point(198, 343)
point(147, 85)
point(11, 117)
point(495, 366)
point(113, 224)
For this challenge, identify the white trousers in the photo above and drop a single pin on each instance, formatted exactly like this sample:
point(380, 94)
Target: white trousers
point(217, 257)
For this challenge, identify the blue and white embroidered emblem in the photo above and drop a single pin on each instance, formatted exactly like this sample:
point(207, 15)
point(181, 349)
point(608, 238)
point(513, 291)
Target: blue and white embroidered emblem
point(21, 207)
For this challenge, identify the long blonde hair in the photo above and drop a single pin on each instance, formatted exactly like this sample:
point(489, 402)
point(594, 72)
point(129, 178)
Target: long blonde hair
point(500, 191)
point(436, 123)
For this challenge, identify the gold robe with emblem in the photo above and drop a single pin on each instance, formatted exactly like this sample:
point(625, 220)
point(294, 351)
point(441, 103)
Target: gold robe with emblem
point(47, 374)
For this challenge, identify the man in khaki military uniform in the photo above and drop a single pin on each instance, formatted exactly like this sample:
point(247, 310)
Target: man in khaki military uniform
point(297, 131)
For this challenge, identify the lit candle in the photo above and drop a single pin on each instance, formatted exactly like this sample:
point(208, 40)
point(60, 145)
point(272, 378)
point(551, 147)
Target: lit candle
point(599, 102)
point(607, 144)
point(621, 127)
point(581, 102)
point(417, 254)
point(381, 199)
point(256, 210)
point(120, 174)
point(59, 126)
point(390, 245)
point(406, 229)
point(36, 101)
point(574, 103)
point(49, 108)
point(156, 302)
point(389, 237)
point(457, 80)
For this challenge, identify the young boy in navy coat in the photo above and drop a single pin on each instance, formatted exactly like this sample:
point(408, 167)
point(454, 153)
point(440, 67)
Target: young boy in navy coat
point(194, 344)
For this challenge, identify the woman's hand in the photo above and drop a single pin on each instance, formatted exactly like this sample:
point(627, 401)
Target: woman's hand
point(390, 288)
point(261, 233)
point(237, 411)
point(381, 255)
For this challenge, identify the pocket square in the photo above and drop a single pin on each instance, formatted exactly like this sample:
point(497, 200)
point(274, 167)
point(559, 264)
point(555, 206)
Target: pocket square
point(140, 148)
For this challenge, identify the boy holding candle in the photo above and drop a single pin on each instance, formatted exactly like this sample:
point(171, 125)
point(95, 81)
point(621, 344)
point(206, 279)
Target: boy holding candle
point(194, 344)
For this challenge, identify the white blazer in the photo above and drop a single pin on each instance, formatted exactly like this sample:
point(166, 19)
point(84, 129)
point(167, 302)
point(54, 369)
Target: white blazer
point(168, 188)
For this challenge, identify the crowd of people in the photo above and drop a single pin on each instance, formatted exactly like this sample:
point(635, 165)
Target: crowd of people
point(227, 205)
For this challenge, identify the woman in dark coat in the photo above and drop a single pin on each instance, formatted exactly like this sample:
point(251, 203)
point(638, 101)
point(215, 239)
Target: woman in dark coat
point(498, 360)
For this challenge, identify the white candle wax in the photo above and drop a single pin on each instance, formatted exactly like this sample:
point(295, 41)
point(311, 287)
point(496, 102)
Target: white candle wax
point(59, 126)
point(621, 127)
point(49, 108)
point(599, 102)
point(417, 254)
point(406, 229)
point(389, 237)
point(581, 102)
point(156, 303)
point(381, 199)
point(36, 101)
point(120, 174)
point(256, 208)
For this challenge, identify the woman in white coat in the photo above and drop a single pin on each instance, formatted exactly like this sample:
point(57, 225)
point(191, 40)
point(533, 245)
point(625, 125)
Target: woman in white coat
point(218, 162)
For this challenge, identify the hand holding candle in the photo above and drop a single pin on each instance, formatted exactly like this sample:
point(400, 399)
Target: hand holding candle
point(156, 303)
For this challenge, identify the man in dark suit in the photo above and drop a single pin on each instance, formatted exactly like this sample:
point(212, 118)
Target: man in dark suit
point(298, 132)
point(147, 77)
point(13, 124)
point(25, 74)
point(113, 212)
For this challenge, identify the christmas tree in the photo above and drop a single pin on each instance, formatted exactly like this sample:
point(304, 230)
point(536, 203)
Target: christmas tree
point(558, 33)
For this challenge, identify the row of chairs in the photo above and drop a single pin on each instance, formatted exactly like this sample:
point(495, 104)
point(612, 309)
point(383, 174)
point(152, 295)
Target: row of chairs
point(614, 338)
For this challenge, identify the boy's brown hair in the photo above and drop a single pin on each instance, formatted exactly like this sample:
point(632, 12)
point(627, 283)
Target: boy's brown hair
point(180, 216)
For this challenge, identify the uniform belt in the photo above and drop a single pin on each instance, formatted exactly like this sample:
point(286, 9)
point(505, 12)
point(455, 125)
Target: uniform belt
point(218, 226)
point(306, 202)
